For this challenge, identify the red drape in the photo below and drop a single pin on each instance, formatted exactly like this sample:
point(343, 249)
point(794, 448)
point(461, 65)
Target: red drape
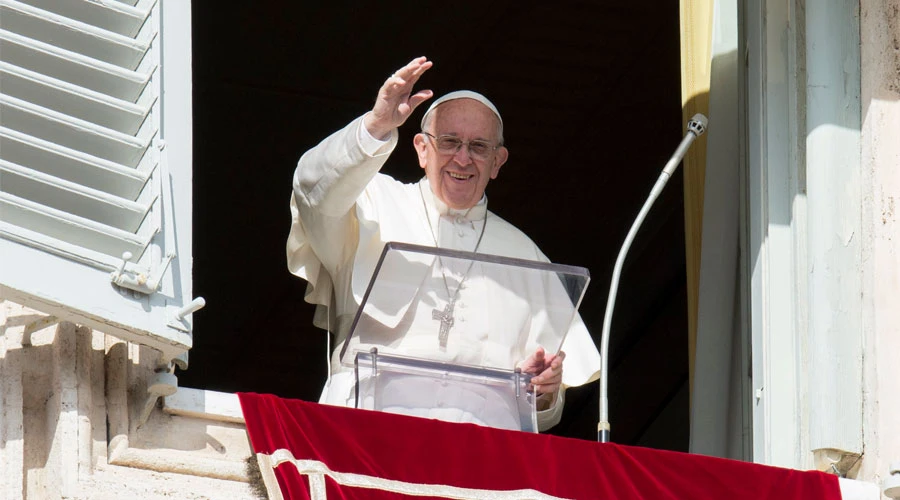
point(368, 447)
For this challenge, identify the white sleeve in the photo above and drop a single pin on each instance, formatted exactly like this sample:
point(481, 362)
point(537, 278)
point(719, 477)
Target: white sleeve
point(551, 416)
point(327, 182)
point(370, 144)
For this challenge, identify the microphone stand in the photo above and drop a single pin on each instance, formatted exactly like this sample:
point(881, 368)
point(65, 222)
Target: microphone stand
point(696, 127)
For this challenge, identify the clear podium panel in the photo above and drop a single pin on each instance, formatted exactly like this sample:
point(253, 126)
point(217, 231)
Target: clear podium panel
point(444, 391)
point(464, 308)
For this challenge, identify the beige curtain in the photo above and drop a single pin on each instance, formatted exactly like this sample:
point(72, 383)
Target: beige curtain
point(712, 193)
point(696, 42)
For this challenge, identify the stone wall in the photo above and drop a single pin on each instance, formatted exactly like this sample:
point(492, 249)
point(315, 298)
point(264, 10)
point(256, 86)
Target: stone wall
point(880, 148)
point(72, 407)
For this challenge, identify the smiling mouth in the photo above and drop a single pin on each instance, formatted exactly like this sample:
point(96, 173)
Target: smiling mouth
point(461, 177)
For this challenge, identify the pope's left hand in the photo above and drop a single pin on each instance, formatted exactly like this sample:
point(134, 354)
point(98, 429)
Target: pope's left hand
point(548, 367)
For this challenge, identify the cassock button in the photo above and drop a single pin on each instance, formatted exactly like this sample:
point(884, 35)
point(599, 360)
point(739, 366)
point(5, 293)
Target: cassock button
point(460, 219)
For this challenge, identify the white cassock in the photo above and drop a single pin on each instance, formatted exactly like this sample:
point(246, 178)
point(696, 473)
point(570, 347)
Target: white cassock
point(344, 212)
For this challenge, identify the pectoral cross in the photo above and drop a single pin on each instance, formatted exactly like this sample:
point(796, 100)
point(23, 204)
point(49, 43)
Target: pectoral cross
point(446, 319)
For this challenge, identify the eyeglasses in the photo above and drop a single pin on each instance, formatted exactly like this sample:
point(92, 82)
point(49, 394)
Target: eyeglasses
point(450, 145)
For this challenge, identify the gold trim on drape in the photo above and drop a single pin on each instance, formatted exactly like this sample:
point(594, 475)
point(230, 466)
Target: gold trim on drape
point(696, 18)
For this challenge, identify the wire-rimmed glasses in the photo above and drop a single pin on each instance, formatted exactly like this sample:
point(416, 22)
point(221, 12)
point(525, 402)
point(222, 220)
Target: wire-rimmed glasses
point(450, 145)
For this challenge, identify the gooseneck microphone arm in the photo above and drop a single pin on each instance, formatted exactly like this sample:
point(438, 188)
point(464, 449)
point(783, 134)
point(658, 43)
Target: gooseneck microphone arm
point(696, 127)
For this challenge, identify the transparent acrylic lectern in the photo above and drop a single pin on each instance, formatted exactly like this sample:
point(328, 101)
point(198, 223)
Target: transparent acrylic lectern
point(439, 333)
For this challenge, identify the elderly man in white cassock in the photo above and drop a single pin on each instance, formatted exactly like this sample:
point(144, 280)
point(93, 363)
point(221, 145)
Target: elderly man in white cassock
point(344, 211)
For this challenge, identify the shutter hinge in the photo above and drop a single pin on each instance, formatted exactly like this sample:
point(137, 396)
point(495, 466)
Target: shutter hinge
point(179, 320)
point(139, 281)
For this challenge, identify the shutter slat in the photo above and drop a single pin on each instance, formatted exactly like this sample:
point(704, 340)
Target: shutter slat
point(63, 97)
point(72, 35)
point(110, 15)
point(71, 228)
point(74, 198)
point(71, 165)
point(73, 67)
point(74, 133)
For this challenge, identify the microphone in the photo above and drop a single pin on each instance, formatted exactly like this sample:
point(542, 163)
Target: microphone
point(695, 128)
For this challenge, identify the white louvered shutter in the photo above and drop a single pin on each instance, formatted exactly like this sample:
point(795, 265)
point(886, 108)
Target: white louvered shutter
point(95, 163)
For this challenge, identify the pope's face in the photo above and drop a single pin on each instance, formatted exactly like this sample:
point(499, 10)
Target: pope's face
point(458, 179)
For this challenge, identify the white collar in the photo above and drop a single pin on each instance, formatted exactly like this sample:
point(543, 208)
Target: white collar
point(476, 213)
